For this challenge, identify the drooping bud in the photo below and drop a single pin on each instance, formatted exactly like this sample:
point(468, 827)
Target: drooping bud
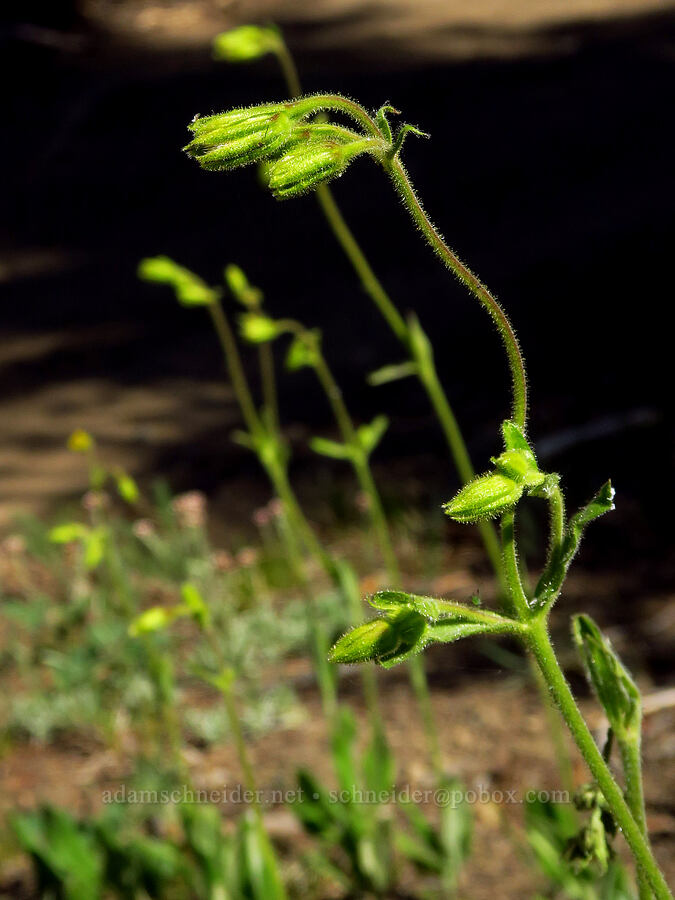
point(484, 498)
point(246, 43)
point(241, 288)
point(242, 136)
point(189, 288)
point(310, 162)
point(258, 329)
point(80, 441)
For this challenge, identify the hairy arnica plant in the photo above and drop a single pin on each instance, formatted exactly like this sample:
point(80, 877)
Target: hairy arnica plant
point(301, 153)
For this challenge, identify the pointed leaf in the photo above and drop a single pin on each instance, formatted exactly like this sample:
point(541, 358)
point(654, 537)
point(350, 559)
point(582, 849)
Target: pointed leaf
point(393, 372)
point(610, 680)
point(369, 436)
point(332, 449)
point(554, 574)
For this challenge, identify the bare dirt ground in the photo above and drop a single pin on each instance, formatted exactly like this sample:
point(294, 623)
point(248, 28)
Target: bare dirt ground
point(494, 736)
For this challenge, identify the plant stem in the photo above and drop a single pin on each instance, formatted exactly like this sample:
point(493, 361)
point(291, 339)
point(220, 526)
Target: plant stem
point(269, 387)
point(373, 287)
point(239, 742)
point(407, 193)
point(369, 281)
point(540, 643)
point(511, 570)
point(629, 749)
point(428, 375)
point(416, 669)
point(234, 366)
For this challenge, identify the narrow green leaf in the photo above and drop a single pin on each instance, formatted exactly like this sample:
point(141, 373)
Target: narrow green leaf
point(514, 437)
point(367, 641)
point(67, 533)
point(127, 487)
point(155, 618)
point(393, 372)
point(610, 680)
point(303, 350)
point(554, 574)
point(369, 436)
point(195, 605)
point(332, 449)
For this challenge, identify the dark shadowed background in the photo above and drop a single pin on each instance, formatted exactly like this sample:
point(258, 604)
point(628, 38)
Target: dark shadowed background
point(550, 170)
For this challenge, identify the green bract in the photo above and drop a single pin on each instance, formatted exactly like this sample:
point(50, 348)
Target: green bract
point(246, 43)
point(496, 492)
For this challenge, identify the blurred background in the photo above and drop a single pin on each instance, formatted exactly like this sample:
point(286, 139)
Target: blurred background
point(549, 170)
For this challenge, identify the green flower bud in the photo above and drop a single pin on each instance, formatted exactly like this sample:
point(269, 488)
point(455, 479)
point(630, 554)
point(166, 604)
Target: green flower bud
point(189, 288)
point(313, 161)
point(242, 136)
point(239, 285)
point(258, 329)
point(246, 43)
point(484, 498)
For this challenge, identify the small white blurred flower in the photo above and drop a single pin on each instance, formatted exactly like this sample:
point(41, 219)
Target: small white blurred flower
point(190, 509)
point(13, 545)
point(247, 557)
point(144, 528)
point(222, 561)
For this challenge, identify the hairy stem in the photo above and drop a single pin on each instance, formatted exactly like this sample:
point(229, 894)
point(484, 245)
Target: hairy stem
point(416, 669)
point(540, 643)
point(632, 771)
point(519, 382)
point(511, 569)
point(374, 289)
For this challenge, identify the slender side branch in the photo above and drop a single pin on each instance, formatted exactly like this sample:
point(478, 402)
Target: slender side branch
point(407, 193)
point(510, 557)
point(540, 644)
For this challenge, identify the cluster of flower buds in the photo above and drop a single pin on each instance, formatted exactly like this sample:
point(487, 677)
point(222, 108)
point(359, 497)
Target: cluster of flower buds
point(516, 472)
point(302, 153)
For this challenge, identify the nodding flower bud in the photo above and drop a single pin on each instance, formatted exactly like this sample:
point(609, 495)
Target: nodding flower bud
point(483, 498)
point(246, 43)
point(311, 161)
point(242, 136)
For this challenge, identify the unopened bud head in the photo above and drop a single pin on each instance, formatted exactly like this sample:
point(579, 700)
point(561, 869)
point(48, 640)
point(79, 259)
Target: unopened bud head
point(242, 136)
point(246, 43)
point(311, 162)
point(484, 498)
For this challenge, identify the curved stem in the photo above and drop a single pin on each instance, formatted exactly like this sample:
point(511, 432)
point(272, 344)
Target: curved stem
point(512, 572)
point(361, 467)
point(466, 276)
point(373, 287)
point(288, 68)
point(355, 255)
point(539, 642)
point(338, 103)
